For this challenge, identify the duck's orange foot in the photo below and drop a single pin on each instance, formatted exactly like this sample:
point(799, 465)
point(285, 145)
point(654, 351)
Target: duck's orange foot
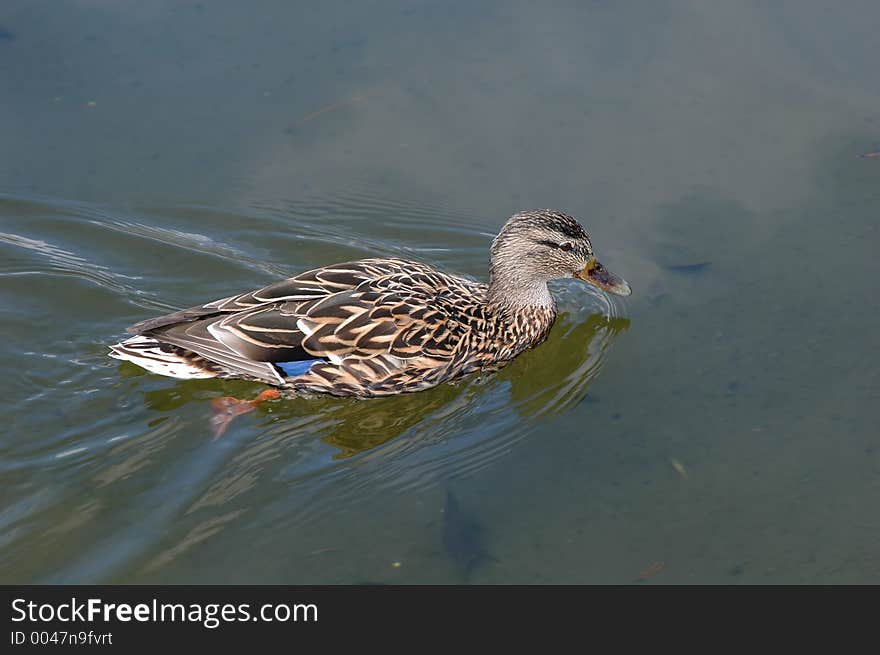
point(227, 408)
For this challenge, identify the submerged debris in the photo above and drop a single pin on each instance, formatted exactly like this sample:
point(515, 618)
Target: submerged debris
point(679, 467)
point(689, 269)
point(328, 108)
point(462, 538)
point(651, 571)
point(872, 155)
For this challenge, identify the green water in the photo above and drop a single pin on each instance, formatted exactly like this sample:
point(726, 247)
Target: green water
point(718, 426)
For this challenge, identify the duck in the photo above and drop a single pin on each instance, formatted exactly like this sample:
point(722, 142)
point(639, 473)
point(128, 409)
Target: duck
point(378, 326)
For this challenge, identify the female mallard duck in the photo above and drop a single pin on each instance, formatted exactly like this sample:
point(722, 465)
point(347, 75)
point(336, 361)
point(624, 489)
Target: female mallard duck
point(378, 327)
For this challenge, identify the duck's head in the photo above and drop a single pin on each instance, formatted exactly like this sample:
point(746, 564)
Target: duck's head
point(534, 247)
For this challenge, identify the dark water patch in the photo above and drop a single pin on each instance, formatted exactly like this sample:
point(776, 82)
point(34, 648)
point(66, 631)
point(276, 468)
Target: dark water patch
point(463, 538)
point(701, 229)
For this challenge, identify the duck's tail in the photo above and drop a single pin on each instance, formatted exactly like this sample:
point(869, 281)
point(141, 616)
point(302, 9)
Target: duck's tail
point(164, 358)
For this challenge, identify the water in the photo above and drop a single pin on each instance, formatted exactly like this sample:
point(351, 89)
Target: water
point(718, 426)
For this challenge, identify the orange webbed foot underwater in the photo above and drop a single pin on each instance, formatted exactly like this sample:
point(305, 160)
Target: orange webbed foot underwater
point(227, 408)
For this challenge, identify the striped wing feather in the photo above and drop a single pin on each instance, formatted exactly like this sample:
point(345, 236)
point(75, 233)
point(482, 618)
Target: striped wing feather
point(309, 285)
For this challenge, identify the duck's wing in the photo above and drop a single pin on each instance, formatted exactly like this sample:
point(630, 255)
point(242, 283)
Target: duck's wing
point(394, 315)
point(389, 315)
point(310, 285)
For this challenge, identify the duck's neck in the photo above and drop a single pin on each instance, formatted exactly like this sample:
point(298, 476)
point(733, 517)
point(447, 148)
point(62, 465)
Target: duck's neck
point(524, 313)
point(508, 288)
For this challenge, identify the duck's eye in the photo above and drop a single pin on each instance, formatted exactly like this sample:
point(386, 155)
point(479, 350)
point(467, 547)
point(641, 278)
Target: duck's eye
point(566, 246)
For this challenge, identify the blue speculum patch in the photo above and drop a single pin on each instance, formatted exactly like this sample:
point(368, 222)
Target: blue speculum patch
point(292, 369)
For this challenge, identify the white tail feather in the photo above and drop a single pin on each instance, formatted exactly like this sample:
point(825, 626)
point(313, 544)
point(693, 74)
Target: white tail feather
point(148, 354)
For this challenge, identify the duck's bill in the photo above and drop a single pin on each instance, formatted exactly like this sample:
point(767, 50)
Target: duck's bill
point(601, 277)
